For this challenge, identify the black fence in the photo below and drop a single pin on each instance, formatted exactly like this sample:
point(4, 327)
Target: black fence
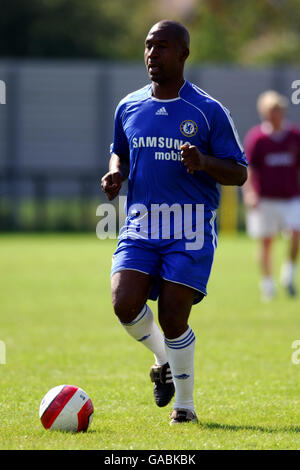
point(29, 200)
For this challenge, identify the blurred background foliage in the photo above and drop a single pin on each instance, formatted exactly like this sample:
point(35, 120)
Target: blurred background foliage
point(248, 32)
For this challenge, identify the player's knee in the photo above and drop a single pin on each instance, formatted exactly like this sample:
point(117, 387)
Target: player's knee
point(125, 309)
point(129, 295)
point(121, 307)
point(173, 325)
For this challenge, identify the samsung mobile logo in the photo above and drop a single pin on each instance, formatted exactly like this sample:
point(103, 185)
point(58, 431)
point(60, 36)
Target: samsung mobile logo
point(160, 142)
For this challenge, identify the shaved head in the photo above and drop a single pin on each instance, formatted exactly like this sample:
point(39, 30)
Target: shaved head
point(177, 30)
point(166, 50)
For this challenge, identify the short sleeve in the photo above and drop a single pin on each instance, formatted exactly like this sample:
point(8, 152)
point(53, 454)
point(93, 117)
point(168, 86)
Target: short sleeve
point(224, 138)
point(120, 144)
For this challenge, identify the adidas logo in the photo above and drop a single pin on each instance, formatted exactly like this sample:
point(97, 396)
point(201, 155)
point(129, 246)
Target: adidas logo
point(162, 112)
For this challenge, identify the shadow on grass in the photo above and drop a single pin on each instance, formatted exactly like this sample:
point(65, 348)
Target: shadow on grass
point(245, 427)
point(202, 425)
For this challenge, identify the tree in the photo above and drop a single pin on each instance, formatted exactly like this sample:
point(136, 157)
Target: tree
point(247, 32)
point(68, 28)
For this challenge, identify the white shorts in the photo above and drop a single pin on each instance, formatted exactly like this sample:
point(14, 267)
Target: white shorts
point(273, 215)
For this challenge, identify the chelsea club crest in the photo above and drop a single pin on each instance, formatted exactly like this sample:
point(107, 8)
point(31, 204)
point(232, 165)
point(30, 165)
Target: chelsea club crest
point(188, 128)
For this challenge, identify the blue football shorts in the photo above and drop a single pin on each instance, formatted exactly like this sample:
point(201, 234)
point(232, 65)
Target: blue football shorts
point(170, 259)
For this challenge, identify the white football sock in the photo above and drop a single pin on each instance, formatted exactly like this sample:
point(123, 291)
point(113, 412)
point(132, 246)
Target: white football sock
point(267, 287)
point(144, 329)
point(288, 273)
point(180, 353)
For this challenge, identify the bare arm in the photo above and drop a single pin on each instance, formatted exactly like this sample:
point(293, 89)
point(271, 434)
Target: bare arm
point(111, 182)
point(250, 196)
point(224, 171)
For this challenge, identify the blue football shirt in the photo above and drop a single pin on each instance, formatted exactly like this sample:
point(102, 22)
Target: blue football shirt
point(150, 131)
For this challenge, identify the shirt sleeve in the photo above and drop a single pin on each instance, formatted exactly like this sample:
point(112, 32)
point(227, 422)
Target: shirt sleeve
point(224, 138)
point(120, 144)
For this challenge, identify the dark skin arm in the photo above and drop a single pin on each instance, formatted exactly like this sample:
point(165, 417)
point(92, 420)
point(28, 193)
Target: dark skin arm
point(224, 171)
point(111, 182)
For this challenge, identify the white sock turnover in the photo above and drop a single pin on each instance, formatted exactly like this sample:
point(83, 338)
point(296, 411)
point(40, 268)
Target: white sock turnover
point(288, 273)
point(144, 329)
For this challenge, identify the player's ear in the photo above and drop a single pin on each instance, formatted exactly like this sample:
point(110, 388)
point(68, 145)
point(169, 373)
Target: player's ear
point(185, 53)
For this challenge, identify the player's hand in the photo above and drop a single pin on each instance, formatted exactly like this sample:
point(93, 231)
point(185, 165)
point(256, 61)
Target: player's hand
point(111, 184)
point(192, 158)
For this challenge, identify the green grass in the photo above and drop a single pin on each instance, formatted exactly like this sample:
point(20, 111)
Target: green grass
point(58, 327)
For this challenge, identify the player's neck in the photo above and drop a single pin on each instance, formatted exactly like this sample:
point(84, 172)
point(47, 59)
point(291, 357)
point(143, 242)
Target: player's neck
point(273, 128)
point(167, 91)
point(277, 127)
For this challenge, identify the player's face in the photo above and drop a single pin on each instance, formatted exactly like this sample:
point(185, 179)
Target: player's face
point(164, 58)
point(276, 116)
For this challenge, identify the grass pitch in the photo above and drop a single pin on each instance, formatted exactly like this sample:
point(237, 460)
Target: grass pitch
point(58, 327)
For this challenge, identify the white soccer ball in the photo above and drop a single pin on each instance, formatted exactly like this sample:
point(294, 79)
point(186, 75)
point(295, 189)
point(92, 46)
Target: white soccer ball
point(66, 408)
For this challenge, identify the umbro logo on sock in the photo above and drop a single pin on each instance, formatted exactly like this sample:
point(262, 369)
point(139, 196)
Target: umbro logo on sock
point(162, 112)
point(181, 376)
point(144, 337)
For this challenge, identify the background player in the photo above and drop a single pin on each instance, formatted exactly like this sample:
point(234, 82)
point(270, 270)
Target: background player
point(272, 193)
point(175, 143)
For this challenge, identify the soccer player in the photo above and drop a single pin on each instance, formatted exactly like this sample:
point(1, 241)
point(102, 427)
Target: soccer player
point(272, 192)
point(175, 143)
